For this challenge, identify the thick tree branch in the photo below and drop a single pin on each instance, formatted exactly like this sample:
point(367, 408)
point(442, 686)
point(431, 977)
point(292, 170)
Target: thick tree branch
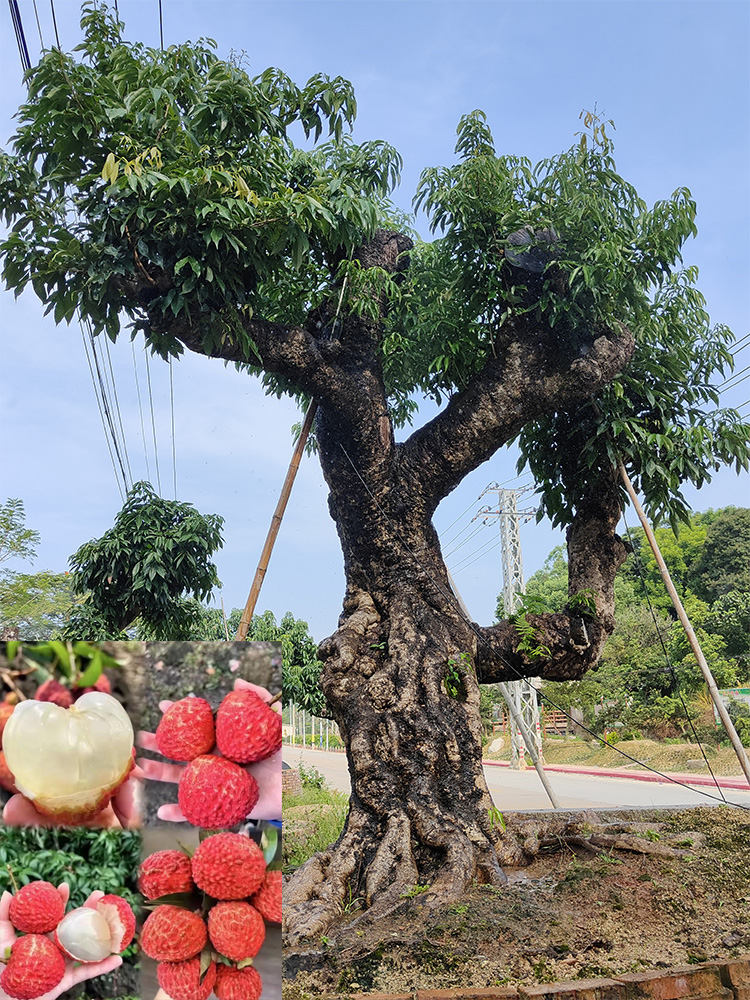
point(574, 638)
point(526, 382)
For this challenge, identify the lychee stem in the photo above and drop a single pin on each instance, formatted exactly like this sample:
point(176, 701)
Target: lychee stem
point(12, 880)
point(276, 697)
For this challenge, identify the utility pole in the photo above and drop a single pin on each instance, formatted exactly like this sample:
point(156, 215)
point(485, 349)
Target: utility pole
point(522, 694)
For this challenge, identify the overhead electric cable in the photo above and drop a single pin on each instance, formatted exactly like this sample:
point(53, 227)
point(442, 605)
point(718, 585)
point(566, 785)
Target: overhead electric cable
point(140, 411)
point(117, 409)
point(101, 414)
point(477, 528)
point(544, 697)
point(171, 408)
point(54, 22)
point(462, 566)
point(38, 25)
point(107, 407)
point(668, 658)
point(734, 375)
point(23, 49)
point(480, 550)
point(161, 27)
point(153, 422)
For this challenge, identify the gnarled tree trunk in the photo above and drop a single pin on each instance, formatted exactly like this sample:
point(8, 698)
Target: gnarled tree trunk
point(401, 673)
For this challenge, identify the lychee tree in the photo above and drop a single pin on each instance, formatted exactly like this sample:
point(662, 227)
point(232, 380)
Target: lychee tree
point(162, 191)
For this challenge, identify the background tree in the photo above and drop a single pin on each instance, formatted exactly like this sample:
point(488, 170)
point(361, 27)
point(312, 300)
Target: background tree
point(157, 553)
point(164, 191)
point(35, 603)
point(16, 540)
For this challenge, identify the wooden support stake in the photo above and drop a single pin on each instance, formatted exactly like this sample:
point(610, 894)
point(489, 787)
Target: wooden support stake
point(265, 556)
point(691, 636)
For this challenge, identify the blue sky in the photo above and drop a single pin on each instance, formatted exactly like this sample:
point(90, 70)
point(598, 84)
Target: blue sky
point(673, 76)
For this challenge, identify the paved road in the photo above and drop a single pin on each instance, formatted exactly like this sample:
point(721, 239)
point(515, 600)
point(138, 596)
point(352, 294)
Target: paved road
point(519, 790)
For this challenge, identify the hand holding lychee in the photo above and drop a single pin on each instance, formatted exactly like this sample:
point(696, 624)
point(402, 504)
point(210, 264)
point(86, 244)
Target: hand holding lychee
point(233, 768)
point(42, 967)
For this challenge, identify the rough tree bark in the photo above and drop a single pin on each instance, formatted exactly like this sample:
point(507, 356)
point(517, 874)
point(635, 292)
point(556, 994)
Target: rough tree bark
point(419, 809)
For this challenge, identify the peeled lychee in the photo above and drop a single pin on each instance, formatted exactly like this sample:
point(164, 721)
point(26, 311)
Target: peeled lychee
point(69, 762)
point(171, 934)
point(186, 730)
point(165, 873)
point(236, 930)
point(37, 908)
point(91, 934)
point(267, 900)
point(214, 793)
point(34, 968)
point(229, 866)
point(247, 729)
point(182, 980)
point(54, 692)
point(237, 984)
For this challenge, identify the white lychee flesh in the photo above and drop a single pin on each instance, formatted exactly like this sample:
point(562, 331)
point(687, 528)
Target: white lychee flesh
point(85, 935)
point(68, 760)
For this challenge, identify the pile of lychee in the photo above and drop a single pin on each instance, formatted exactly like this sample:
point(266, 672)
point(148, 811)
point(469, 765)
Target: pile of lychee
point(87, 934)
point(208, 933)
point(214, 790)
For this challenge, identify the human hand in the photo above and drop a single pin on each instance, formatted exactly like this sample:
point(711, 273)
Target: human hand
point(74, 973)
point(266, 772)
point(123, 812)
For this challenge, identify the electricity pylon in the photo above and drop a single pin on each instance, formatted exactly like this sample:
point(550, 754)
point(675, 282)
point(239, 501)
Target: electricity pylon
point(523, 692)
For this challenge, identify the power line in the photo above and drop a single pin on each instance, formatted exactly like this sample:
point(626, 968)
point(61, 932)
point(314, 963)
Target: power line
point(54, 22)
point(449, 596)
point(23, 49)
point(140, 411)
point(161, 27)
point(101, 414)
point(461, 567)
point(482, 548)
point(38, 25)
point(174, 452)
point(117, 409)
point(478, 528)
point(153, 421)
point(668, 658)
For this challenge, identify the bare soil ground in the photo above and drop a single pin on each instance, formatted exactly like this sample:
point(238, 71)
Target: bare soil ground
point(571, 914)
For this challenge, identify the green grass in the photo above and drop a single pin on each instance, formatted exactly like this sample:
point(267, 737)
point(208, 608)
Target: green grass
point(316, 828)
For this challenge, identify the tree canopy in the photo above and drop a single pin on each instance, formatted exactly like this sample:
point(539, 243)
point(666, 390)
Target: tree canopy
point(164, 191)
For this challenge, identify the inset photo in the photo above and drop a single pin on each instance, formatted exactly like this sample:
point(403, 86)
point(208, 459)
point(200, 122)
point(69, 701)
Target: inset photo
point(68, 720)
point(212, 914)
point(68, 913)
point(212, 733)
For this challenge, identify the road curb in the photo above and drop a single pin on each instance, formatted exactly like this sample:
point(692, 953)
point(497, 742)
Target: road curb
point(668, 777)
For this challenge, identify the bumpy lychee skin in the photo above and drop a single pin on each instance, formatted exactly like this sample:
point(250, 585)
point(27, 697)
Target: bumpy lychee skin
point(171, 934)
point(214, 793)
point(119, 915)
point(237, 984)
point(182, 980)
point(247, 729)
point(267, 900)
point(7, 781)
point(165, 873)
point(55, 692)
point(186, 730)
point(37, 908)
point(236, 930)
point(35, 967)
point(6, 711)
point(229, 866)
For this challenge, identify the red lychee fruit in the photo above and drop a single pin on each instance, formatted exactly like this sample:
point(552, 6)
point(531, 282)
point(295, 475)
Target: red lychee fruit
point(215, 793)
point(35, 967)
point(182, 980)
point(37, 908)
point(7, 781)
point(267, 900)
point(186, 729)
point(54, 691)
point(165, 873)
point(247, 729)
point(236, 930)
point(171, 934)
point(119, 915)
point(237, 984)
point(102, 684)
point(6, 711)
point(229, 866)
